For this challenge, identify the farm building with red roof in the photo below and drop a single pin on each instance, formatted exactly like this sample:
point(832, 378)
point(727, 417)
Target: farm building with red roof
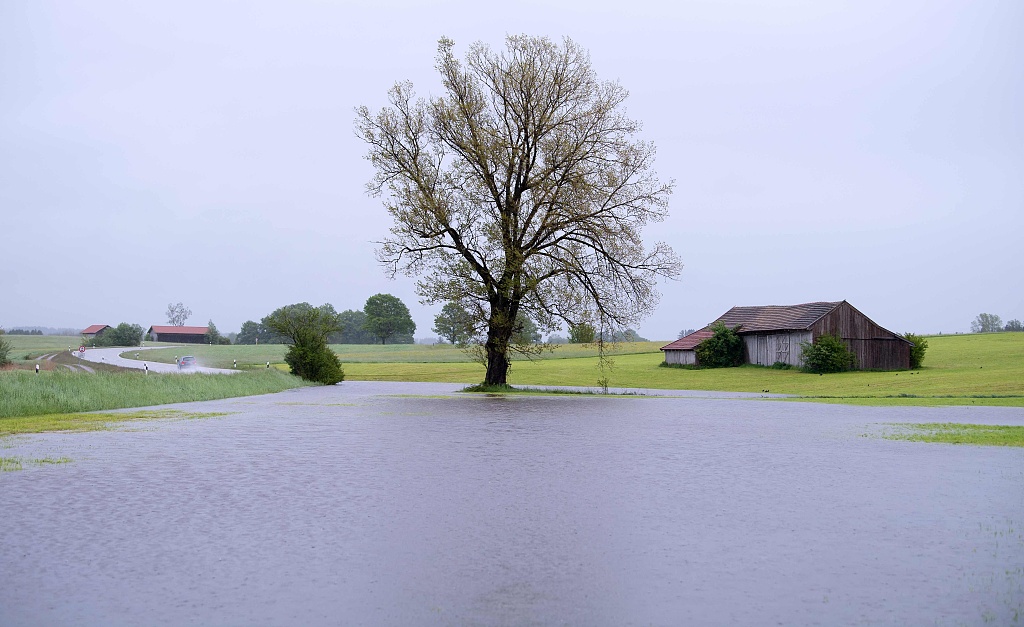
point(184, 335)
point(95, 330)
point(773, 334)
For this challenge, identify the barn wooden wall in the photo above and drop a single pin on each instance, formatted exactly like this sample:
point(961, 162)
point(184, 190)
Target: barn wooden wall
point(687, 357)
point(764, 349)
point(876, 348)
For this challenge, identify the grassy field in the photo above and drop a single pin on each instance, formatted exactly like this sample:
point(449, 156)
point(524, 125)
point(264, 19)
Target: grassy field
point(59, 392)
point(983, 369)
point(978, 369)
point(251, 355)
point(960, 369)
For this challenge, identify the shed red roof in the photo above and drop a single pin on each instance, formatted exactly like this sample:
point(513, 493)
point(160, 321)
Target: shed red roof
point(689, 342)
point(167, 330)
point(96, 328)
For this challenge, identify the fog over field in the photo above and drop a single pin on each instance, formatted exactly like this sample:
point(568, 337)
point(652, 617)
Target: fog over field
point(204, 152)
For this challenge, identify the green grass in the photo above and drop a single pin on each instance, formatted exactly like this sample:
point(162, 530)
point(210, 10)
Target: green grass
point(35, 345)
point(96, 421)
point(249, 356)
point(957, 433)
point(10, 464)
point(959, 370)
point(24, 393)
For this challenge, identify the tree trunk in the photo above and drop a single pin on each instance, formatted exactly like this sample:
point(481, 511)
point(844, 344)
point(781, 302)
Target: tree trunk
point(499, 332)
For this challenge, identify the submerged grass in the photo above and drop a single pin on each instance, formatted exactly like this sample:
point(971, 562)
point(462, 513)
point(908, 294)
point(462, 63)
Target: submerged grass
point(24, 393)
point(95, 421)
point(555, 391)
point(12, 464)
point(959, 433)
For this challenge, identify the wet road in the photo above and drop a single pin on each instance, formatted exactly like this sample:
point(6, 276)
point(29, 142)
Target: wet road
point(383, 503)
point(113, 357)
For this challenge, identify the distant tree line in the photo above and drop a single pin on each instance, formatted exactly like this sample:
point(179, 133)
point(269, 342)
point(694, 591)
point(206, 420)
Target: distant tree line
point(24, 332)
point(384, 319)
point(991, 323)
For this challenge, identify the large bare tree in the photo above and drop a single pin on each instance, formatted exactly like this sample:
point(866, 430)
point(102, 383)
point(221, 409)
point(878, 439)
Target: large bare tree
point(523, 188)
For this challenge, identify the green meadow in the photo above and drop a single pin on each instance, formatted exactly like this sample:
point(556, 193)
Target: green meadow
point(976, 369)
point(985, 369)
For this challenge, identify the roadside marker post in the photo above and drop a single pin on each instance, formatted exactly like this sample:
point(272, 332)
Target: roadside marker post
point(234, 363)
point(146, 366)
point(37, 368)
point(268, 364)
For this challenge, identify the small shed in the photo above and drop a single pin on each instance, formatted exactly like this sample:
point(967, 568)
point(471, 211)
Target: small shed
point(95, 330)
point(683, 351)
point(183, 335)
point(773, 334)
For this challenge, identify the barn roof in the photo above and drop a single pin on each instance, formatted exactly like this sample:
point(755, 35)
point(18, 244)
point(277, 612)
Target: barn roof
point(689, 342)
point(166, 330)
point(776, 317)
point(96, 328)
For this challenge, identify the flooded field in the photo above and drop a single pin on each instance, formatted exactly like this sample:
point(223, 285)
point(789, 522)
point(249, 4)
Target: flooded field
point(396, 504)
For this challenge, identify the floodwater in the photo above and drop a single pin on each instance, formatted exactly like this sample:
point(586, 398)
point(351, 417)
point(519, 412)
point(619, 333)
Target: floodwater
point(364, 504)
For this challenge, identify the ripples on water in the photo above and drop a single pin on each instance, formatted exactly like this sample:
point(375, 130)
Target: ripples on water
point(338, 504)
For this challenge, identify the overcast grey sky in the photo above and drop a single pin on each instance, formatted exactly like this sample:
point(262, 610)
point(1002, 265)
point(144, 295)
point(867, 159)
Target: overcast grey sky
point(204, 151)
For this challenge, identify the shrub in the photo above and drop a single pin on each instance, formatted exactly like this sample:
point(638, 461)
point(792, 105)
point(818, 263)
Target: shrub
point(315, 362)
point(918, 346)
point(724, 349)
point(780, 365)
point(123, 334)
point(827, 354)
point(5, 349)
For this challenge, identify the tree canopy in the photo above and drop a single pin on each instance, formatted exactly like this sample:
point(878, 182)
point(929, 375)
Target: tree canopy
point(307, 328)
point(387, 317)
point(178, 314)
point(521, 188)
point(987, 323)
point(454, 324)
point(353, 331)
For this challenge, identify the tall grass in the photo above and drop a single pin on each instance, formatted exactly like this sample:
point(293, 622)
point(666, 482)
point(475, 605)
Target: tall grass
point(24, 393)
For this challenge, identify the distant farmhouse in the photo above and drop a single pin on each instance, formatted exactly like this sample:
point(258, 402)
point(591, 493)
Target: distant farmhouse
point(183, 335)
point(773, 333)
point(95, 330)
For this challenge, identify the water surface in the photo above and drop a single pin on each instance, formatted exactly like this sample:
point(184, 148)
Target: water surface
point(360, 504)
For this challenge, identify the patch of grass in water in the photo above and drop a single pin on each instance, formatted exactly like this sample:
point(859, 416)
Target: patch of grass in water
point(14, 464)
point(90, 421)
point(959, 433)
point(499, 390)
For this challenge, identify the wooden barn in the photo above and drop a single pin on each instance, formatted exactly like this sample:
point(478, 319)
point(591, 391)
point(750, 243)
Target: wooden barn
point(183, 335)
point(95, 330)
point(773, 333)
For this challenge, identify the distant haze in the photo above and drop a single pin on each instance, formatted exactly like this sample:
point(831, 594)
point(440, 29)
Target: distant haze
point(204, 152)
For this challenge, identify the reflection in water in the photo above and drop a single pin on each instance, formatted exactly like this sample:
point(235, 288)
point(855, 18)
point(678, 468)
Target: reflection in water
point(337, 504)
